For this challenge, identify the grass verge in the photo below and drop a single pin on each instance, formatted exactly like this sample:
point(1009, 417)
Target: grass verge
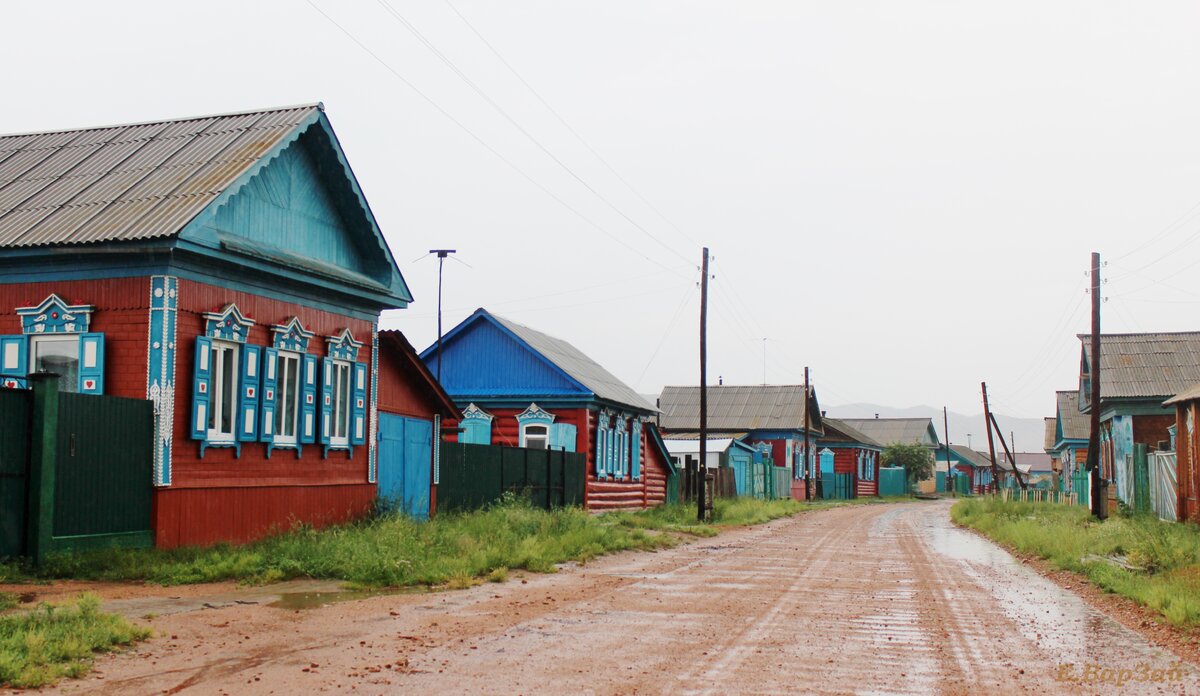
point(8, 600)
point(42, 646)
point(1154, 563)
point(456, 550)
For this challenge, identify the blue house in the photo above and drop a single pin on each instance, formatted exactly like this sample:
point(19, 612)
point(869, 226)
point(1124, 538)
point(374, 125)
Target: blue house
point(519, 387)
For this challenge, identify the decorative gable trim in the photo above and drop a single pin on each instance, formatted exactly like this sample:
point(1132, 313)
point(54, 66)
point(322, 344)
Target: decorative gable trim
point(54, 315)
point(227, 325)
point(473, 412)
point(535, 414)
point(342, 346)
point(291, 335)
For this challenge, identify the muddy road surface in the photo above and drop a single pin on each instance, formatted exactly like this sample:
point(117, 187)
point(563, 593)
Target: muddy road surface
point(864, 599)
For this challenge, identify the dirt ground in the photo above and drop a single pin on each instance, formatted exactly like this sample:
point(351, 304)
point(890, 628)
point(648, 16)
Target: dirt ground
point(861, 599)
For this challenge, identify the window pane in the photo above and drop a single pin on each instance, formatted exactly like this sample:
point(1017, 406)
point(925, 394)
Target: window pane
point(60, 356)
point(228, 394)
point(213, 361)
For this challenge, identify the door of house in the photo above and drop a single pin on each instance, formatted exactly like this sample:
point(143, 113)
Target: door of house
point(405, 463)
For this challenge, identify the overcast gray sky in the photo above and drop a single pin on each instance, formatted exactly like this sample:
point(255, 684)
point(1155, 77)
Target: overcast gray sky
point(902, 195)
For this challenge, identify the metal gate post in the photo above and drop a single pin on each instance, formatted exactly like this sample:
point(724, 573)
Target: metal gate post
point(43, 447)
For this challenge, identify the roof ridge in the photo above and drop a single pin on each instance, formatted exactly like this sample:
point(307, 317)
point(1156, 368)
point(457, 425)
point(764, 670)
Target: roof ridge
point(245, 112)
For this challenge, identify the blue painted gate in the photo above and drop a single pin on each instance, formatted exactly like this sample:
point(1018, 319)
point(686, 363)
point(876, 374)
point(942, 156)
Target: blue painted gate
point(405, 463)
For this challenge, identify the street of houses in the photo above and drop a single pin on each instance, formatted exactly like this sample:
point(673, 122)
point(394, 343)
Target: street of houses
point(190, 329)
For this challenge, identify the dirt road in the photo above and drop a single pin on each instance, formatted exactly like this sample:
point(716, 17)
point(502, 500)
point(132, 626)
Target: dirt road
point(864, 599)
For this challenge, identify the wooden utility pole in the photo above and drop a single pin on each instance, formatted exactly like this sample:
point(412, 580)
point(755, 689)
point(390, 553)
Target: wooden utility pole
point(702, 478)
point(809, 492)
point(987, 420)
point(949, 468)
point(1099, 507)
point(1012, 458)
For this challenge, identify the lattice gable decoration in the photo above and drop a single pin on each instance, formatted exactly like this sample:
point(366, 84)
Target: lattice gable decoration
point(291, 335)
point(473, 412)
point(343, 346)
point(54, 315)
point(228, 325)
point(535, 414)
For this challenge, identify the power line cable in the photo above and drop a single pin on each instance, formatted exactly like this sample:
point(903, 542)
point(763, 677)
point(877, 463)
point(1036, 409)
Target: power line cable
point(480, 140)
point(670, 326)
point(508, 117)
point(554, 112)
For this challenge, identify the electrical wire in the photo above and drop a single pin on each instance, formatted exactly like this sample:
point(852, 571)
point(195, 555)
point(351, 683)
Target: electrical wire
point(525, 132)
point(687, 294)
point(554, 112)
point(480, 140)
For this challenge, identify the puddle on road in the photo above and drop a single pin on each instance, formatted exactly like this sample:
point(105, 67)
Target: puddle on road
point(296, 601)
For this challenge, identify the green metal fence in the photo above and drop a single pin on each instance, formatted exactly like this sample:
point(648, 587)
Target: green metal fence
point(474, 475)
point(75, 471)
point(837, 486)
point(782, 480)
point(14, 469)
point(103, 472)
point(1141, 480)
point(892, 481)
point(1081, 487)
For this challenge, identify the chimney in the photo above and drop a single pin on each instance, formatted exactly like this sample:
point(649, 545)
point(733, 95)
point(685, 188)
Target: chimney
point(876, 415)
point(720, 381)
point(823, 413)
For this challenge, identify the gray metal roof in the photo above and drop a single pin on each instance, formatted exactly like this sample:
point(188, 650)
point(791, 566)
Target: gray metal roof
point(1192, 392)
point(737, 408)
point(129, 182)
point(1146, 365)
point(968, 455)
point(1075, 423)
point(1051, 435)
point(907, 431)
point(583, 369)
point(837, 429)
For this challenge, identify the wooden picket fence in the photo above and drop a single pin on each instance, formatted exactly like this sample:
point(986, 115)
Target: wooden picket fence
point(1035, 495)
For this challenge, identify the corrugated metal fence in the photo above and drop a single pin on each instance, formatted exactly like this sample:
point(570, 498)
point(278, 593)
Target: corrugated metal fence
point(473, 476)
point(1164, 485)
point(14, 469)
point(892, 481)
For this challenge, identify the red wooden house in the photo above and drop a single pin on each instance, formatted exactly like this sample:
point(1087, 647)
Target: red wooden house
point(853, 453)
point(227, 268)
point(519, 387)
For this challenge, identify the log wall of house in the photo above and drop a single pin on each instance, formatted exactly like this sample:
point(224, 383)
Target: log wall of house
point(225, 497)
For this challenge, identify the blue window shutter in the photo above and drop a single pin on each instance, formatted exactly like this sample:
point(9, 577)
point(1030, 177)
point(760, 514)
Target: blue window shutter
point(308, 399)
point(610, 453)
point(201, 387)
point(562, 436)
point(91, 363)
point(358, 405)
point(599, 451)
point(326, 398)
point(14, 361)
point(636, 451)
point(268, 396)
point(248, 395)
point(476, 431)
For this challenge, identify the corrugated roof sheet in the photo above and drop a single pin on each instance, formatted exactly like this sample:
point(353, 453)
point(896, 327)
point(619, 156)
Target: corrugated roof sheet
point(837, 429)
point(583, 369)
point(966, 454)
point(1146, 365)
point(736, 408)
point(1075, 423)
point(908, 431)
point(1051, 435)
point(136, 181)
point(1192, 392)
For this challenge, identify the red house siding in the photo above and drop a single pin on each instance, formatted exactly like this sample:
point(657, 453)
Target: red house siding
point(225, 498)
point(121, 313)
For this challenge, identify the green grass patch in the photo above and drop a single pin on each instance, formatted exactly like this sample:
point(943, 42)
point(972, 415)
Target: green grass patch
point(42, 646)
point(8, 600)
point(1163, 558)
point(452, 550)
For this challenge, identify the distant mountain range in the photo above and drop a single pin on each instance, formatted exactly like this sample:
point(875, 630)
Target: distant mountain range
point(1028, 433)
